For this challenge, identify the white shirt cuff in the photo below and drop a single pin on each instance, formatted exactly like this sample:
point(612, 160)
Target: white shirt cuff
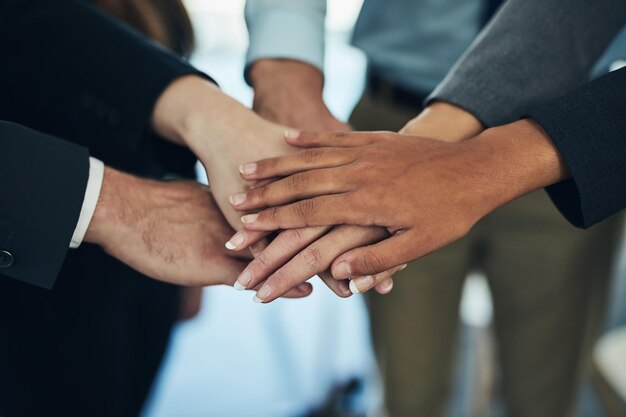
point(92, 193)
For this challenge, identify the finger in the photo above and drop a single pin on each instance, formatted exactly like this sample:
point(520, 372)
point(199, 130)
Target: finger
point(334, 139)
point(316, 211)
point(298, 186)
point(316, 258)
point(279, 251)
point(366, 283)
point(305, 160)
point(301, 291)
point(369, 260)
point(384, 287)
point(339, 287)
point(244, 239)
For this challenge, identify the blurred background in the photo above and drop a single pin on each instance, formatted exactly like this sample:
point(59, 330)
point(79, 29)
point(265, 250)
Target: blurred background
point(314, 357)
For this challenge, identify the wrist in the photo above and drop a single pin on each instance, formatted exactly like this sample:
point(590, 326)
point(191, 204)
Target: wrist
point(444, 121)
point(520, 158)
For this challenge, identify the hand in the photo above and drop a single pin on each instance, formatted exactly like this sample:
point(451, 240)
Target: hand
point(170, 231)
point(297, 255)
point(289, 92)
point(427, 193)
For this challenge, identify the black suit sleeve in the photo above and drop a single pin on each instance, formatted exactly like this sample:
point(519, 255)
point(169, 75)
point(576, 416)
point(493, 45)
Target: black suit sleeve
point(77, 73)
point(41, 195)
point(588, 127)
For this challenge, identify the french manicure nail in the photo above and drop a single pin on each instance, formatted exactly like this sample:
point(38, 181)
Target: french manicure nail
point(238, 286)
point(343, 270)
point(249, 218)
point(403, 267)
point(262, 294)
point(237, 199)
point(362, 284)
point(247, 169)
point(235, 241)
point(292, 134)
point(244, 280)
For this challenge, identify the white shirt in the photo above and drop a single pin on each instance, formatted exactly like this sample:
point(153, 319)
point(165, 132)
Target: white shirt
point(92, 193)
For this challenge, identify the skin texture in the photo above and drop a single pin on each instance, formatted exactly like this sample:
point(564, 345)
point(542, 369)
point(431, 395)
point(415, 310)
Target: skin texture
point(170, 231)
point(438, 192)
point(291, 93)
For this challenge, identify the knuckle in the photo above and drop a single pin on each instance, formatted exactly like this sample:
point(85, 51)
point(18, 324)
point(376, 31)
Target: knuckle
point(373, 262)
point(261, 262)
point(293, 236)
point(310, 156)
point(304, 209)
point(299, 180)
point(312, 257)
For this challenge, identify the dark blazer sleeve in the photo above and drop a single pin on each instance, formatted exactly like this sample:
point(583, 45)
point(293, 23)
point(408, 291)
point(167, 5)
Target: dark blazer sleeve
point(41, 195)
point(75, 72)
point(588, 127)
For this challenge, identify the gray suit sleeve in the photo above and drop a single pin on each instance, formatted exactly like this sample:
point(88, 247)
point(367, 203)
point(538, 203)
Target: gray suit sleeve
point(532, 51)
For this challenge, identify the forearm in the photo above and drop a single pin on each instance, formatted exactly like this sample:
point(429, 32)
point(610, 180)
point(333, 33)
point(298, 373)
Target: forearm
point(513, 160)
point(101, 79)
point(532, 51)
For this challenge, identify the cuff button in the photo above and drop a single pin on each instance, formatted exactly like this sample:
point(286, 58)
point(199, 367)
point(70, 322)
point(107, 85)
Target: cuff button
point(6, 259)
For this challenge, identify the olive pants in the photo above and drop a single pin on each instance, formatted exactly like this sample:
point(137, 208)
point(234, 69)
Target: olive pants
point(548, 281)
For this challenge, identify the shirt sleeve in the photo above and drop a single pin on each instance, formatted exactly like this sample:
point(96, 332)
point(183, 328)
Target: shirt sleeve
point(92, 193)
point(588, 127)
point(287, 29)
point(532, 51)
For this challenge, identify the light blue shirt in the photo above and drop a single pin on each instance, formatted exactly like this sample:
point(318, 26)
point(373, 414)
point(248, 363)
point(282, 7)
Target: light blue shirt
point(412, 43)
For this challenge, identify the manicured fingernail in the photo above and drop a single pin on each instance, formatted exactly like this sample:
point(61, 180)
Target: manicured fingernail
point(343, 270)
point(403, 267)
point(344, 287)
point(362, 284)
point(238, 286)
point(292, 134)
point(248, 169)
point(387, 286)
point(249, 218)
point(235, 241)
point(244, 280)
point(237, 199)
point(262, 294)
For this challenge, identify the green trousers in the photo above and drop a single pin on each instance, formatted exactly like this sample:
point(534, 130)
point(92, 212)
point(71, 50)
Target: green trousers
point(548, 281)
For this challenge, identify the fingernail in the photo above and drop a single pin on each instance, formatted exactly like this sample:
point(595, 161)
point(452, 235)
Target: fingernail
point(237, 199)
point(238, 286)
point(235, 241)
point(344, 287)
point(343, 270)
point(303, 287)
point(247, 168)
point(262, 294)
point(362, 284)
point(249, 218)
point(387, 286)
point(403, 267)
point(244, 280)
point(292, 134)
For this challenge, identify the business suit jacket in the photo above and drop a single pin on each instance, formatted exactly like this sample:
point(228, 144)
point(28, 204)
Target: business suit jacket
point(533, 52)
point(91, 345)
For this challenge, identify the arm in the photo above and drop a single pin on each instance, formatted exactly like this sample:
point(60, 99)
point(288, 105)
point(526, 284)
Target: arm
point(531, 52)
point(285, 62)
point(38, 172)
point(71, 70)
point(169, 231)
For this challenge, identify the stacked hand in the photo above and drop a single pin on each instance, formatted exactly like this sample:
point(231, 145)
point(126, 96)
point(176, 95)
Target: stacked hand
point(426, 193)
